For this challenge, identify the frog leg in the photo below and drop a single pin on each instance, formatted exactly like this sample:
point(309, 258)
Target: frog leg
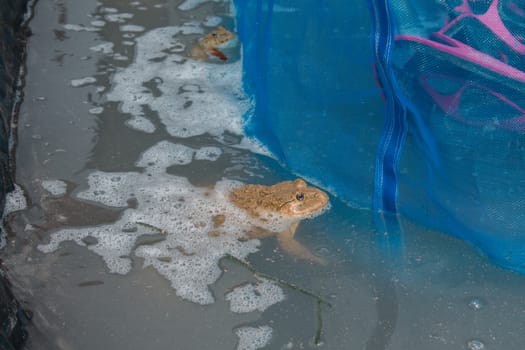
point(257, 232)
point(218, 53)
point(291, 246)
point(198, 53)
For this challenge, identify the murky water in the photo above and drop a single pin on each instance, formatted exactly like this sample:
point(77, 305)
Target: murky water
point(120, 127)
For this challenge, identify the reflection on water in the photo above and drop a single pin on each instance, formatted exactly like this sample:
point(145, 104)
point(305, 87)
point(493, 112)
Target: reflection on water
point(127, 148)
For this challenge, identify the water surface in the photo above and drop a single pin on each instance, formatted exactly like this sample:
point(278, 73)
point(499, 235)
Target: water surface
point(120, 126)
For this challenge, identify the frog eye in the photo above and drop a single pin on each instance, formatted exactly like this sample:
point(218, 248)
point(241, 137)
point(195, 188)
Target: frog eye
point(299, 196)
point(214, 34)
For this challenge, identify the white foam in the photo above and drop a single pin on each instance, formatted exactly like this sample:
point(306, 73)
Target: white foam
point(252, 338)
point(196, 97)
point(83, 81)
point(255, 297)
point(55, 187)
point(80, 28)
point(96, 110)
point(98, 23)
point(118, 17)
point(132, 28)
point(15, 201)
point(191, 4)
point(189, 255)
point(120, 57)
point(254, 145)
point(208, 153)
point(212, 21)
point(108, 10)
point(163, 155)
point(141, 123)
point(106, 48)
point(111, 189)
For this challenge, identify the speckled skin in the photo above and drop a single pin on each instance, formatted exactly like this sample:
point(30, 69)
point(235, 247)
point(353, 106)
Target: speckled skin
point(209, 44)
point(288, 199)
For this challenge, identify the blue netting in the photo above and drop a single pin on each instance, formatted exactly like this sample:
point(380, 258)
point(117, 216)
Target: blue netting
point(402, 106)
point(307, 64)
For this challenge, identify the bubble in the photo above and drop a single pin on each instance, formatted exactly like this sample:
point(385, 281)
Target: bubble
point(476, 304)
point(475, 344)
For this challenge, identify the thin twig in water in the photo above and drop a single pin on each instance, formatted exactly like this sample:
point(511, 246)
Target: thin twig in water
point(277, 280)
point(319, 332)
point(320, 301)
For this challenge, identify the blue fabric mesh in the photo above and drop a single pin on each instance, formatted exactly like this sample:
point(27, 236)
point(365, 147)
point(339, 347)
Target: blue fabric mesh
point(415, 107)
point(318, 107)
point(464, 74)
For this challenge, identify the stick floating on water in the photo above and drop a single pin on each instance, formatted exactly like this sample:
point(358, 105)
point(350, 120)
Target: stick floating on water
point(320, 300)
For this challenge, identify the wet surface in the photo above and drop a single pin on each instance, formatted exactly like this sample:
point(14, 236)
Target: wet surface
point(120, 126)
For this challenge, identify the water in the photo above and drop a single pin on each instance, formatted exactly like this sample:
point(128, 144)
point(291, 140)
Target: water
point(118, 126)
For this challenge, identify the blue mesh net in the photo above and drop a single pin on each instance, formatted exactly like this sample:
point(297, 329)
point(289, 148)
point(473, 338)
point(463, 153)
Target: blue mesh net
point(416, 107)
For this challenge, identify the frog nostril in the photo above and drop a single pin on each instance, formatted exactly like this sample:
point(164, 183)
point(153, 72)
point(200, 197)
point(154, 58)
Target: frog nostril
point(299, 196)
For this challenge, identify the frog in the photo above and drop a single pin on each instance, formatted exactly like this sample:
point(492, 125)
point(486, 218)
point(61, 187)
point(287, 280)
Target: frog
point(292, 201)
point(210, 44)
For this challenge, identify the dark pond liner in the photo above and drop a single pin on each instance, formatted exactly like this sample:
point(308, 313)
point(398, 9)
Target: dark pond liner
point(13, 35)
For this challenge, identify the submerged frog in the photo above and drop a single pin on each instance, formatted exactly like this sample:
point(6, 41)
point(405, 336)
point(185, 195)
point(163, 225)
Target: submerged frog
point(289, 200)
point(211, 43)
